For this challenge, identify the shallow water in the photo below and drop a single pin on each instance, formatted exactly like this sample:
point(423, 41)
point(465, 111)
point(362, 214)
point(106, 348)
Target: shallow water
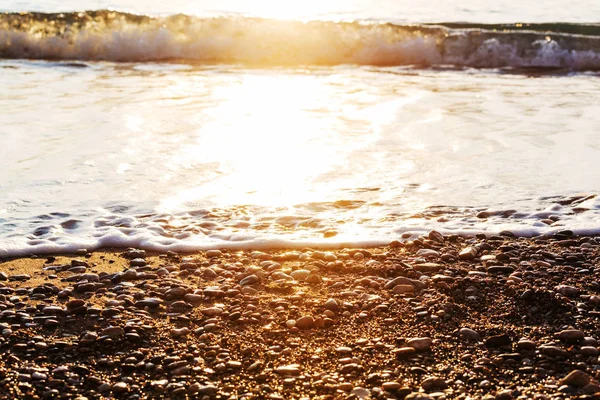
point(256, 145)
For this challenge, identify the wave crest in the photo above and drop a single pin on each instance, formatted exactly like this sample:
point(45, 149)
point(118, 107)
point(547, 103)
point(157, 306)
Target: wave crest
point(122, 37)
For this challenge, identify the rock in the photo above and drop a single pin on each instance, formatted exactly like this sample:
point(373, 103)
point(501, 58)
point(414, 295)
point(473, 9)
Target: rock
point(360, 393)
point(420, 344)
point(306, 322)
point(526, 344)
point(571, 335)
point(568, 291)
point(498, 341)
point(39, 376)
point(134, 253)
point(500, 269)
point(75, 303)
point(249, 280)
point(418, 396)
point(300, 274)
point(150, 302)
point(397, 281)
point(504, 395)
point(212, 311)
point(576, 378)
point(404, 352)
point(137, 262)
point(193, 298)
point(288, 370)
point(314, 278)
point(427, 267)
point(391, 386)
point(427, 253)
point(214, 253)
point(589, 351)
point(553, 351)
point(120, 387)
point(19, 277)
point(113, 331)
point(207, 390)
point(591, 388)
point(436, 236)
point(331, 305)
point(433, 383)
point(180, 332)
point(469, 334)
point(402, 289)
point(468, 253)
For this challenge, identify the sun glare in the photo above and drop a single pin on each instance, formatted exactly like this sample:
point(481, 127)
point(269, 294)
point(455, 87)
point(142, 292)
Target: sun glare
point(268, 139)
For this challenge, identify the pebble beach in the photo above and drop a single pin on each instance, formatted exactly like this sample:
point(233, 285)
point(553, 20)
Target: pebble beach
point(436, 317)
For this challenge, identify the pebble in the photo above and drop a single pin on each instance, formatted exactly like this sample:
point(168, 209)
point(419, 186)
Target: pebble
point(112, 331)
point(120, 387)
point(249, 280)
point(468, 253)
point(568, 291)
point(420, 344)
point(305, 322)
point(332, 305)
point(288, 370)
point(571, 335)
point(300, 274)
point(470, 334)
point(576, 378)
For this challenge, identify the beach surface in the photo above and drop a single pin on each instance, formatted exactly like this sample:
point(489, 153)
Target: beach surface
point(435, 317)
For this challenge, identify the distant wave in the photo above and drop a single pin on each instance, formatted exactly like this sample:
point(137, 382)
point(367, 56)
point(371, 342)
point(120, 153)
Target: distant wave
point(121, 37)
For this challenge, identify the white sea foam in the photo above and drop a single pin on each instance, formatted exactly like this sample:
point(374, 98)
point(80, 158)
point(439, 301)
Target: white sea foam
point(111, 36)
point(155, 233)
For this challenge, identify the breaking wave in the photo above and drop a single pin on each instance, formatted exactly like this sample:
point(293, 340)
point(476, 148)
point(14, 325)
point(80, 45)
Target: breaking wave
point(121, 37)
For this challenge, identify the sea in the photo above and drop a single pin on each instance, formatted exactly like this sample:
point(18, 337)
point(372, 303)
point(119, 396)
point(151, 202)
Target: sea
point(234, 124)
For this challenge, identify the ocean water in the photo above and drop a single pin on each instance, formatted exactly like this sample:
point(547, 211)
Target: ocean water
point(236, 124)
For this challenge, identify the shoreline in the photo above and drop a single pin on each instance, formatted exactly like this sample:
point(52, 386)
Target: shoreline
point(437, 317)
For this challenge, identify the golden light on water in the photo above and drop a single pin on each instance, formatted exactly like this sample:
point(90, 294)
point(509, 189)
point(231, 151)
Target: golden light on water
point(281, 140)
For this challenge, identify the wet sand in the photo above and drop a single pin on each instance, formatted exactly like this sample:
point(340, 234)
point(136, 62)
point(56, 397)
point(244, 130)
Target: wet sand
point(438, 317)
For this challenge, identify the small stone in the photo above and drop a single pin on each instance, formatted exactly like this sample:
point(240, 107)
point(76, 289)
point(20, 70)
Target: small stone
point(402, 289)
point(469, 334)
point(420, 344)
point(553, 351)
point(591, 388)
point(193, 298)
point(331, 305)
point(589, 351)
point(212, 311)
point(120, 387)
point(180, 332)
point(498, 341)
point(306, 322)
point(418, 396)
point(150, 302)
point(300, 274)
point(39, 376)
point(360, 393)
point(568, 291)
point(214, 253)
point(436, 236)
point(526, 344)
point(314, 278)
point(208, 390)
point(576, 378)
point(113, 331)
point(571, 335)
point(433, 383)
point(468, 253)
point(288, 370)
point(249, 280)
point(391, 386)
